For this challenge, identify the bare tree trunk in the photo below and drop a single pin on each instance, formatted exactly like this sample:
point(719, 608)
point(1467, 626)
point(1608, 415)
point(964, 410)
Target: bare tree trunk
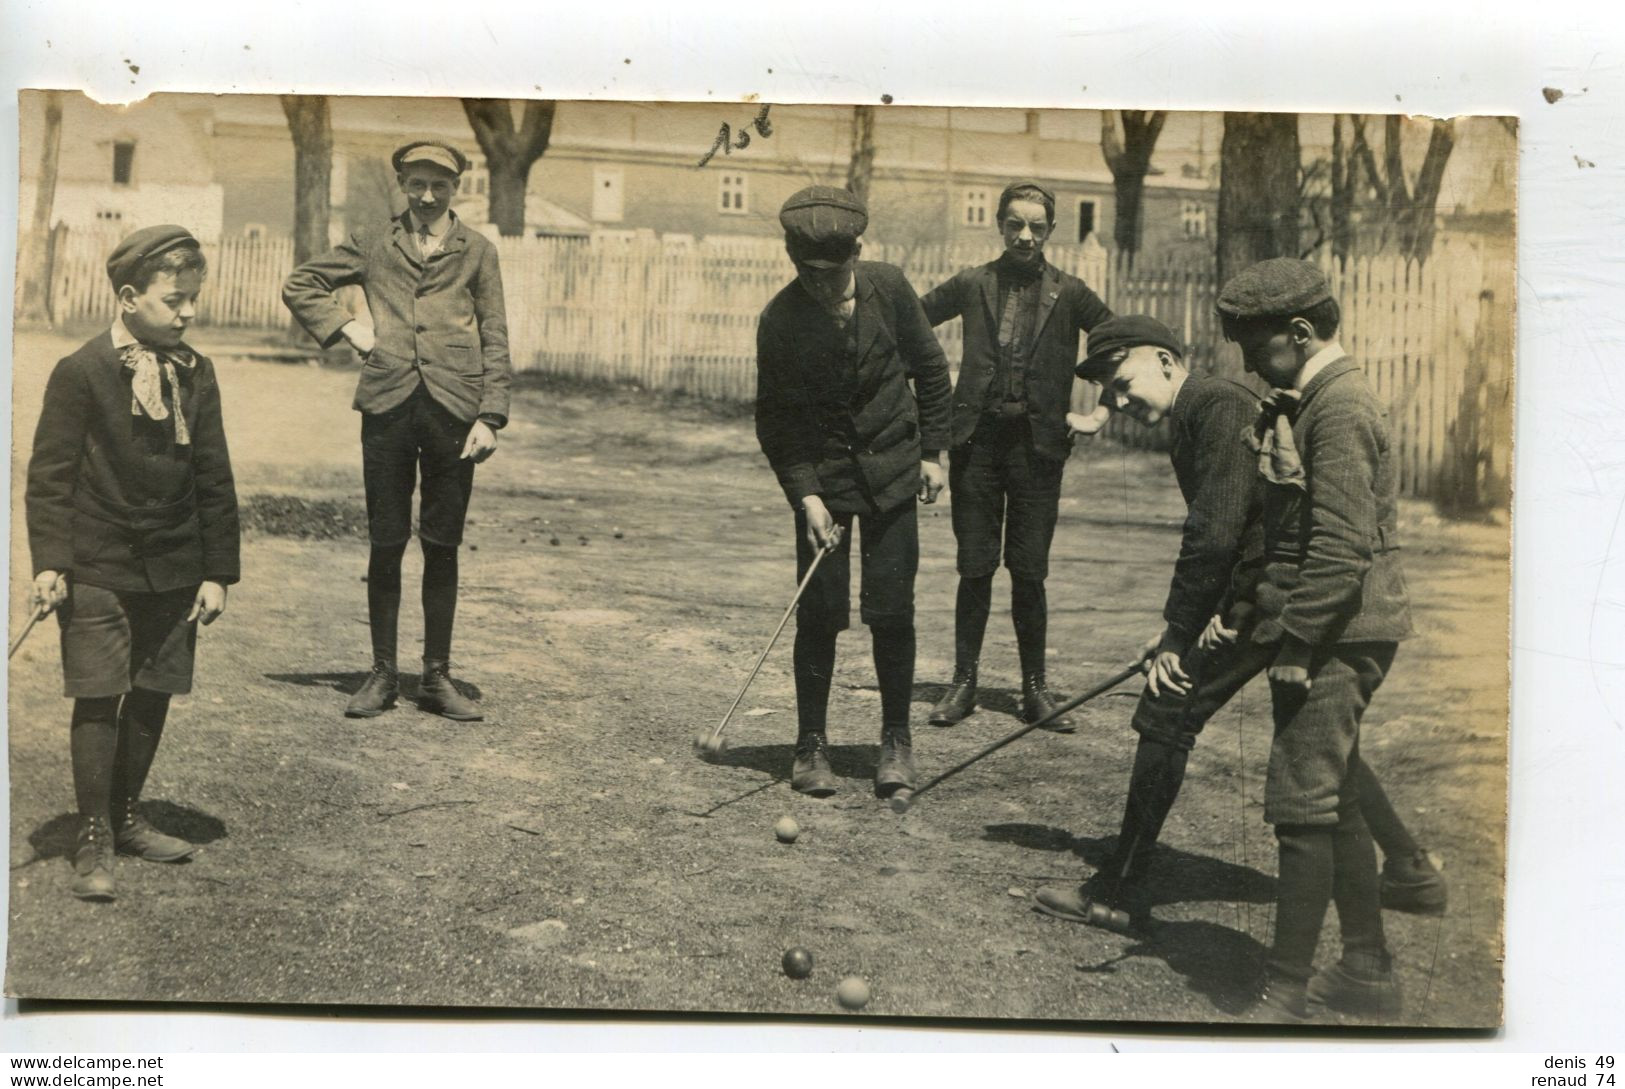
point(310, 123)
point(509, 153)
point(1344, 174)
point(861, 167)
point(1259, 198)
point(1425, 195)
point(1129, 158)
point(36, 266)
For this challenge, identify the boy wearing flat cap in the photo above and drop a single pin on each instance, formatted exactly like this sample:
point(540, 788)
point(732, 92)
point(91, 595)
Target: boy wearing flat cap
point(433, 394)
point(1021, 318)
point(132, 522)
point(1331, 607)
point(851, 442)
point(1197, 663)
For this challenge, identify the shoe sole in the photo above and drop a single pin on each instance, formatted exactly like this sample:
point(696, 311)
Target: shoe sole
point(1060, 913)
point(814, 792)
point(366, 714)
point(428, 709)
point(129, 853)
point(950, 720)
point(95, 897)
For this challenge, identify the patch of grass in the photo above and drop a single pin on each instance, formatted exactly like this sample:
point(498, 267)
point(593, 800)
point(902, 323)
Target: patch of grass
point(303, 519)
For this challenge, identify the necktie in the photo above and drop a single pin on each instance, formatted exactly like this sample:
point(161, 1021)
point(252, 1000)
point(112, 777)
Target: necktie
point(1271, 438)
point(149, 370)
point(423, 239)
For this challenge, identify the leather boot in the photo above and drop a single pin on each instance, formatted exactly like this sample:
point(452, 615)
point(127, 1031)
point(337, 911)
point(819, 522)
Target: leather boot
point(812, 774)
point(93, 861)
point(439, 695)
point(377, 693)
point(959, 700)
point(895, 771)
point(1338, 988)
point(1037, 702)
point(1413, 884)
point(136, 836)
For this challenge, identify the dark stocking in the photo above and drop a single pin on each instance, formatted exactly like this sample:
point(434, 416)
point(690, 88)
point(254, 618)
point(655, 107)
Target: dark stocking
point(974, 602)
point(439, 600)
point(384, 599)
point(141, 727)
point(93, 744)
point(1029, 608)
point(894, 668)
point(1303, 892)
point(814, 666)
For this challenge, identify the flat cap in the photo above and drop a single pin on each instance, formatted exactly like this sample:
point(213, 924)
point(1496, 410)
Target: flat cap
point(429, 151)
point(1277, 288)
point(1124, 331)
point(147, 242)
point(822, 224)
point(1012, 190)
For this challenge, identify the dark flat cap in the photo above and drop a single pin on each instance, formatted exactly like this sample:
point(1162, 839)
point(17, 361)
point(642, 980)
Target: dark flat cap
point(1277, 288)
point(822, 224)
point(1124, 331)
point(1011, 190)
point(147, 242)
point(429, 151)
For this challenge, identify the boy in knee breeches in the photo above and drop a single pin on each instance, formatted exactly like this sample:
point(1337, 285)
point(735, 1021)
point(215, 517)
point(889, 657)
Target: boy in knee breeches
point(1204, 654)
point(1332, 603)
point(433, 393)
point(132, 521)
point(852, 412)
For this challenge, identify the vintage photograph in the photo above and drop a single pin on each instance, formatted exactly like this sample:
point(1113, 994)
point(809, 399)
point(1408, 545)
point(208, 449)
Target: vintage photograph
point(758, 558)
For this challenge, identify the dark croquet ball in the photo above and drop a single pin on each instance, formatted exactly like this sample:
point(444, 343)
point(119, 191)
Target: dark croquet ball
point(798, 963)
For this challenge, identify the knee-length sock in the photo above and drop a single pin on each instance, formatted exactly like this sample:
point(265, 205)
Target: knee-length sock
point(439, 600)
point(894, 647)
point(971, 607)
point(384, 599)
point(1302, 893)
point(140, 728)
point(93, 746)
point(814, 666)
point(1029, 608)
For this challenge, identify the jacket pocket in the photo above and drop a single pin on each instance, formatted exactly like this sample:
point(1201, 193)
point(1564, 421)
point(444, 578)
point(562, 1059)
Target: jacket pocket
point(465, 359)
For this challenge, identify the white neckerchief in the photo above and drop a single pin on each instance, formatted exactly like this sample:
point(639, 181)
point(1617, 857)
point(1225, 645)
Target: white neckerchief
point(148, 368)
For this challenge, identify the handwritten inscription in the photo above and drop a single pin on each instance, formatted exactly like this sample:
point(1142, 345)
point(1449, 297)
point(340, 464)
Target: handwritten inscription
point(727, 140)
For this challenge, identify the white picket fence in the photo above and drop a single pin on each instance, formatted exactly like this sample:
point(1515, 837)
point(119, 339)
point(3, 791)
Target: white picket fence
point(680, 315)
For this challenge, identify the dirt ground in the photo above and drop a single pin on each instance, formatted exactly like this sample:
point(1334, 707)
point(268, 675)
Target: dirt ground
point(627, 558)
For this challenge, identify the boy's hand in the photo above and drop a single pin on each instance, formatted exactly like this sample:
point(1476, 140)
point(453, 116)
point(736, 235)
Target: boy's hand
point(50, 590)
point(822, 532)
point(482, 442)
point(209, 603)
point(932, 479)
point(360, 337)
point(1216, 634)
point(1079, 424)
point(1165, 674)
point(1291, 668)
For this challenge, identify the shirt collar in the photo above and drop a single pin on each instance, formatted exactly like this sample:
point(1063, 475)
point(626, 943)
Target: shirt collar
point(122, 337)
point(439, 229)
point(1317, 363)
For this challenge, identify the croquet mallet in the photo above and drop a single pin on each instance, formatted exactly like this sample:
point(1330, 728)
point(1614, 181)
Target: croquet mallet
point(903, 799)
point(39, 614)
point(711, 744)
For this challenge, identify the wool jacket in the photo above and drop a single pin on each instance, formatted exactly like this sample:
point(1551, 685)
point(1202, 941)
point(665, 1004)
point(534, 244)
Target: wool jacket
point(1218, 478)
point(835, 413)
point(1066, 307)
point(1332, 571)
point(112, 499)
point(441, 322)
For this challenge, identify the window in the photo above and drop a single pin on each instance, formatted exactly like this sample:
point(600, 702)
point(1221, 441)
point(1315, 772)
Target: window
point(109, 215)
point(123, 162)
point(254, 232)
point(978, 207)
point(1193, 218)
point(477, 178)
point(608, 195)
point(1086, 219)
point(733, 196)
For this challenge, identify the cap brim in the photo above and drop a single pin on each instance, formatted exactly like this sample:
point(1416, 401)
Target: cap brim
point(820, 262)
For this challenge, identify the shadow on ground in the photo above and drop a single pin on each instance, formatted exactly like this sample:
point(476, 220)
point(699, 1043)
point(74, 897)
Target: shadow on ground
point(350, 683)
point(58, 837)
point(1176, 877)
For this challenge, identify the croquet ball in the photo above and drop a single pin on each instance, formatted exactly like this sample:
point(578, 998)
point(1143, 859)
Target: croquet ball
point(554, 541)
point(798, 963)
point(787, 829)
point(901, 800)
point(852, 992)
point(706, 745)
